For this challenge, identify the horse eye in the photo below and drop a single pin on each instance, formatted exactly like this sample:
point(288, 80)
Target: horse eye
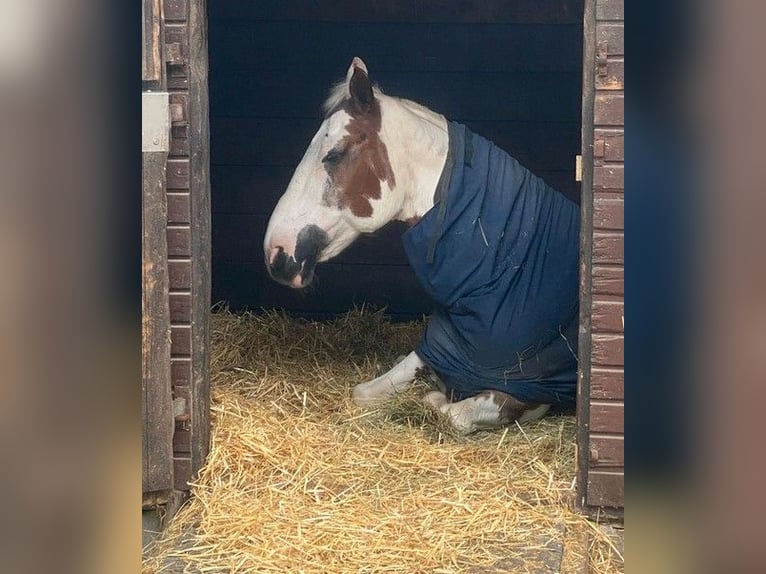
point(334, 156)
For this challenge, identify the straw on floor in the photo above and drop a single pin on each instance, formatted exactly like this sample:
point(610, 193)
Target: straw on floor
point(300, 480)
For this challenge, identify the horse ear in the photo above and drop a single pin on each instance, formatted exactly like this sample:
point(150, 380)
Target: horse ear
point(359, 85)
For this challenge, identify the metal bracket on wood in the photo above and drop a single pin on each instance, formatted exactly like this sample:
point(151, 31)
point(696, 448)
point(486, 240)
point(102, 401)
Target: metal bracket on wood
point(155, 122)
point(602, 63)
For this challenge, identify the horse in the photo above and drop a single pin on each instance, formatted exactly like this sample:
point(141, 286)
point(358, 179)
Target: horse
point(493, 245)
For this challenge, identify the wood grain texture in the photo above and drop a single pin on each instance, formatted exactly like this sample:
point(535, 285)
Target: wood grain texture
point(178, 208)
point(607, 350)
point(607, 316)
point(607, 383)
point(614, 35)
point(609, 177)
point(151, 44)
point(587, 277)
point(607, 451)
point(614, 144)
point(178, 174)
point(180, 274)
point(179, 241)
point(608, 248)
point(180, 308)
point(614, 78)
point(180, 368)
point(156, 405)
point(199, 157)
point(609, 109)
point(180, 337)
point(608, 212)
point(607, 417)
point(606, 489)
point(610, 10)
point(608, 280)
point(176, 10)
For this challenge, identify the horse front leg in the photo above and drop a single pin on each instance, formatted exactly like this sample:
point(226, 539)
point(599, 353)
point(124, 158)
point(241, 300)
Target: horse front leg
point(396, 380)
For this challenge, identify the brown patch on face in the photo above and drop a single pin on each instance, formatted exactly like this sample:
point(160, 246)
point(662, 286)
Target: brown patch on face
point(359, 162)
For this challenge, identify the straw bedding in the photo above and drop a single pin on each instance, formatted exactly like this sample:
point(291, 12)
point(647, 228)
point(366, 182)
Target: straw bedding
point(300, 480)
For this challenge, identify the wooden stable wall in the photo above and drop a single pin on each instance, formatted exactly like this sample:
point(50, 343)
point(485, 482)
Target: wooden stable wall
point(183, 240)
point(511, 70)
point(601, 398)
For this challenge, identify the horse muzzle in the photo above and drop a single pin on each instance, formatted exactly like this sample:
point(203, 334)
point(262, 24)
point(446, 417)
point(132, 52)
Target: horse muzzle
point(297, 270)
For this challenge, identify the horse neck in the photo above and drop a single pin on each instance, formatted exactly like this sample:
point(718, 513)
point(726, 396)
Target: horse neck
point(417, 142)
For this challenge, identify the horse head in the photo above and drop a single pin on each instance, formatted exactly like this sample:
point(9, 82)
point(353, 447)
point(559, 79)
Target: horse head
point(341, 188)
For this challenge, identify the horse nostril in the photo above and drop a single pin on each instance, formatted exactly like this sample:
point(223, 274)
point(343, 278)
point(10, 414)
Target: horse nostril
point(272, 253)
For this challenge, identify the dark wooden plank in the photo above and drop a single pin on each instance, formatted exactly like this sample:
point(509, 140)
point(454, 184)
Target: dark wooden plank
point(179, 142)
point(614, 78)
point(608, 212)
point(609, 109)
point(610, 10)
point(182, 471)
point(178, 208)
point(607, 316)
point(607, 383)
point(609, 177)
point(614, 36)
point(155, 365)
point(607, 350)
point(607, 417)
point(606, 489)
point(180, 308)
point(180, 274)
point(336, 289)
point(178, 174)
point(176, 10)
point(586, 251)
point(177, 34)
point(180, 369)
point(199, 153)
point(247, 46)
point(613, 144)
point(180, 340)
point(179, 241)
point(606, 450)
point(500, 11)
point(608, 248)
point(182, 442)
point(525, 95)
point(183, 393)
point(608, 280)
point(151, 49)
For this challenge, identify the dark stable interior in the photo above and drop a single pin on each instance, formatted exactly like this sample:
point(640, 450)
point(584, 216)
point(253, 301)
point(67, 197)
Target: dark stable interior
point(511, 71)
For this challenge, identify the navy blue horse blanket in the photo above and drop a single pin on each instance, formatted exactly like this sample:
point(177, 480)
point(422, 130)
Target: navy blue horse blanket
point(498, 254)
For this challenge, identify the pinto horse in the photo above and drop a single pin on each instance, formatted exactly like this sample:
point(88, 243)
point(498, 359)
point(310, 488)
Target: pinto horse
point(492, 244)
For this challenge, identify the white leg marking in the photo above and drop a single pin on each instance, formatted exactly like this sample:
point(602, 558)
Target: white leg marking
point(472, 414)
point(387, 385)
